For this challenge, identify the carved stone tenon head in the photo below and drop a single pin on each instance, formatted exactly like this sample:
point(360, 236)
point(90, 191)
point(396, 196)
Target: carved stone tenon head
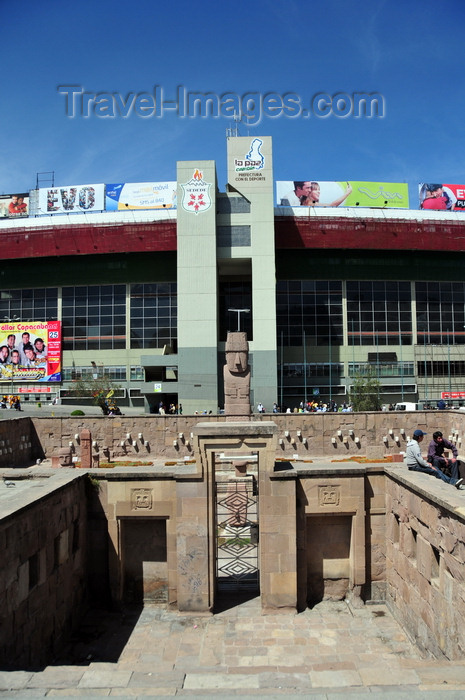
point(237, 350)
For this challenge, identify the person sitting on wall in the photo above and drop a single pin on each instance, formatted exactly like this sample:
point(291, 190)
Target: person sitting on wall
point(416, 463)
point(451, 466)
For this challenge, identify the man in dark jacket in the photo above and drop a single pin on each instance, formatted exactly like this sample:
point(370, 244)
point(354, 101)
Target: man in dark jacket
point(415, 462)
point(448, 465)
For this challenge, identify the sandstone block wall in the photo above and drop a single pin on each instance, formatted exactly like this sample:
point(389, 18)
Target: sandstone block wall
point(43, 574)
point(334, 435)
point(425, 562)
point(19, 444)
point(129, 505)
point(375, 535)
point(334, 536)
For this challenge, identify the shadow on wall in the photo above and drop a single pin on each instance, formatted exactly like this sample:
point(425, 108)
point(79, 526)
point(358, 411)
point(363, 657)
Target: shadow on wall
point(101, 637)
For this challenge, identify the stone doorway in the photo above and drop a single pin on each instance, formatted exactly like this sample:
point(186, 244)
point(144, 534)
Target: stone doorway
point(328, 557)
point(144, 560)
point(237, 541)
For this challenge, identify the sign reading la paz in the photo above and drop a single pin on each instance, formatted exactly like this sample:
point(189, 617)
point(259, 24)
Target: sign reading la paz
point(196, 194)
point(253, 160)
point(247, 165)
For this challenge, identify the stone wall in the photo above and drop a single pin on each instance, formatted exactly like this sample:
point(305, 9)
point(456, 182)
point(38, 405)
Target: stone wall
point(43, 572)
point(145, 573)
point(335, 435)
point(362, 531)
point(332, 544)
point(425, 560)
point(19, 444)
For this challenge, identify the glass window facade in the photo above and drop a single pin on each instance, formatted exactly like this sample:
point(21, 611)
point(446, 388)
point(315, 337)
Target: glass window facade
point(137, 374)
point(94, 318)
point(113, 372)
point(381, 369)
point(313, 369)
point(379, 313)
point(29, 304)
point(440, 313)
point(154, 315)
point(235, 295)
point(310, 309)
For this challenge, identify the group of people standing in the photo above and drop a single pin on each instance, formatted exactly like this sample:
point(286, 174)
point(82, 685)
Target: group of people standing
point(25, 353)
point(310, 407)
point(174, 409)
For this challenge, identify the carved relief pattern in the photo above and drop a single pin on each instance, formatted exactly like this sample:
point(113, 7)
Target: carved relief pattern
point(329, 495)
point(141, 499)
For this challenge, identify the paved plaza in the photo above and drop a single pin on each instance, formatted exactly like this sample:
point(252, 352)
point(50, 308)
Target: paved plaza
point(331, 651)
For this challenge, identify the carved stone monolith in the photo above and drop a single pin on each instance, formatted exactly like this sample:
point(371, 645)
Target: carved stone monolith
point(237, 377)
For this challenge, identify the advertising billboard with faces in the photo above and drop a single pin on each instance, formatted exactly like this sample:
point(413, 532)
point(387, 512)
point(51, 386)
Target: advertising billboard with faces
point(30, 351)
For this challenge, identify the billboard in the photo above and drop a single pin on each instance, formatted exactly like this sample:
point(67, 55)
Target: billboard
point(30, 351)
point(312, 193)
point(71, 199)
point(452, 394)
point(441, 197)
point(250, 163)
point(14, 205)
point(140, 195)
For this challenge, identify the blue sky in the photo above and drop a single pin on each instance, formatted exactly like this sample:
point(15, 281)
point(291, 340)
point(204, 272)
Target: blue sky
point(410, 52)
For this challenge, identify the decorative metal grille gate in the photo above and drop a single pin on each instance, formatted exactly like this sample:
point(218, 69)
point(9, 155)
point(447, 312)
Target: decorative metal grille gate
point(237, 535)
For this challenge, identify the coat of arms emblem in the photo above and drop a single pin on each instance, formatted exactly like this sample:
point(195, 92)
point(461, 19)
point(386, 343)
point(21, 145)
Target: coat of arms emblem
point(196, 194)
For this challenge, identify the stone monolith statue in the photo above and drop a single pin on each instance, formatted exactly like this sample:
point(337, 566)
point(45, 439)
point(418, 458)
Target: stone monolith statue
point(237, 376)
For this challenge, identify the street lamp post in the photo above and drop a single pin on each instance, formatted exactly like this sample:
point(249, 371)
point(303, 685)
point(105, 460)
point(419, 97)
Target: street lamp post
point(401, 360)
point(353, 348)
point(330, 368)
point(448, 363)
point(305, 366)
point(239, 312)
point(426, 378)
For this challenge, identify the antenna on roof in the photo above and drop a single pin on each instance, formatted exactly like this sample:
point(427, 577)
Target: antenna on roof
point(45, 179)
point(234, 130)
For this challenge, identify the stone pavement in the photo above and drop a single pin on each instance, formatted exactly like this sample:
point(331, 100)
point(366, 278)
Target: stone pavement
point(332, 651)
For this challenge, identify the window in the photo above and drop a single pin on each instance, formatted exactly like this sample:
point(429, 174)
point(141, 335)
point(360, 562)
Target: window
point(440, 313)
point(94, 318)
point(321, 369)
point(310, 310)
point(137, 374)
point(379, 313)
point(33, 304)
point(235, 295)
point(113, 372)
point(381, 369)
point(154, 315)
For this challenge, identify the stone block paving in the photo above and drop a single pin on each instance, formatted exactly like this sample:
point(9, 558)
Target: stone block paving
point(331, 651)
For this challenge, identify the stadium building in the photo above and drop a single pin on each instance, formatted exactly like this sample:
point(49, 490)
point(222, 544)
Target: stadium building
point(146, 296)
